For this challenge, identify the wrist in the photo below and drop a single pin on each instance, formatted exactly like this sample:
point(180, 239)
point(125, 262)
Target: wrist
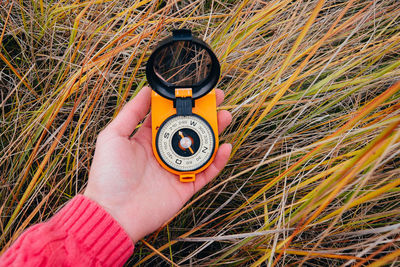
point(116, 211)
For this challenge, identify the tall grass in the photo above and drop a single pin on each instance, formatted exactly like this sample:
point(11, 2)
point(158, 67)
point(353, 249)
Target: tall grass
point(314, 90)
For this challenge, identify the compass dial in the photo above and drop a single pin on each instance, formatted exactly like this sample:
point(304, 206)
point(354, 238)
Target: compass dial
point(185, 143)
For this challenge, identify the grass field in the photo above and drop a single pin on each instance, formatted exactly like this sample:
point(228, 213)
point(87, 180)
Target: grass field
point(314, 89)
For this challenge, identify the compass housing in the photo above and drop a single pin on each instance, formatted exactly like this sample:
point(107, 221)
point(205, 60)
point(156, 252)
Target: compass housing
point(182, 61)
point(182, 71)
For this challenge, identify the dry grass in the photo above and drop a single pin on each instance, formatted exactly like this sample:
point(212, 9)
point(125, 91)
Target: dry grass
point(314, 90)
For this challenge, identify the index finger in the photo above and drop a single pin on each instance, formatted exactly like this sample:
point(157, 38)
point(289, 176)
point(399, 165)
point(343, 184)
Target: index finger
point(219, 94)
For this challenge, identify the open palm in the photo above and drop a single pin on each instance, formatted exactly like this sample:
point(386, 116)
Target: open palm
point(126, 179)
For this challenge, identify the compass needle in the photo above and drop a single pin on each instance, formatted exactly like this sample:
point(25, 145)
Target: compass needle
point(191, 150)
point(186, 142)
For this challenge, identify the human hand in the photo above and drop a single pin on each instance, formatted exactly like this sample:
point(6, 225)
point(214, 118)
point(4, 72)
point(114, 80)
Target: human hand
point(128, 182)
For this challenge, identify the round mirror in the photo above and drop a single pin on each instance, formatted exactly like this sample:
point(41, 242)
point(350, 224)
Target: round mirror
point(182, 64)
point(182, 61)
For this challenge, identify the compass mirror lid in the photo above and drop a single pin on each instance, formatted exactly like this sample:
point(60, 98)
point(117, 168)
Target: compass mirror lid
point(182, 61)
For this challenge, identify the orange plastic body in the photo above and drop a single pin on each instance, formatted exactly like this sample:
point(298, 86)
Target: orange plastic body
point(162, 108)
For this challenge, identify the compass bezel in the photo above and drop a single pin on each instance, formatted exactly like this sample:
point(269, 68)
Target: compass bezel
point(212, 149)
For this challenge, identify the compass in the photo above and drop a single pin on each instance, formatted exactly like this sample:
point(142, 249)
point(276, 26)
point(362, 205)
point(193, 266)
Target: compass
point(185, 143)
point(182, 71)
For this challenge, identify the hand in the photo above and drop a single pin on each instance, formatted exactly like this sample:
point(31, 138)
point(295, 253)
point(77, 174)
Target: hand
point(129, 183)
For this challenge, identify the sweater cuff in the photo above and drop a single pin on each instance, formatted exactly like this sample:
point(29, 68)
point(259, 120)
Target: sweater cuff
point(95, 229)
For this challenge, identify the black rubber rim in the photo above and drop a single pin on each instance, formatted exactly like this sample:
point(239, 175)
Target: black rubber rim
point(166, 89)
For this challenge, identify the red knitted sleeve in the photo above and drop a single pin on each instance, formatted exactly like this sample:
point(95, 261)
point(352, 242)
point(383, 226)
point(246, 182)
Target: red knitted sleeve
point(80, 234)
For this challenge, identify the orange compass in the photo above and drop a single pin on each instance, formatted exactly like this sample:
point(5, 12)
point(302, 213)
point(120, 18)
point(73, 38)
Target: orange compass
point(182, 72)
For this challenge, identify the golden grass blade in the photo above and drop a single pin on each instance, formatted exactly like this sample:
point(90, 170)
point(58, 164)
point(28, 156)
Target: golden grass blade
point(159, 253)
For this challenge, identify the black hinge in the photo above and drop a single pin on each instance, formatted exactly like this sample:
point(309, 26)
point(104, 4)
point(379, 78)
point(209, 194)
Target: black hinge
point(183, 106)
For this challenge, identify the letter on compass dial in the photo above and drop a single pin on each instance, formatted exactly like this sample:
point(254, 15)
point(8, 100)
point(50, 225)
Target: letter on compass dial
point(185, 143)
